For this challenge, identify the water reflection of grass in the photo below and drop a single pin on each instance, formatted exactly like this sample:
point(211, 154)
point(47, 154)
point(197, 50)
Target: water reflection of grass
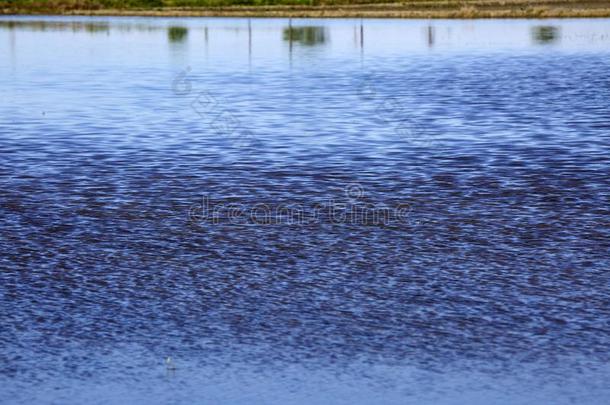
point(42, 25)
point(317, 8)
point(546, 34)
point(305, 35)
point(177, 34)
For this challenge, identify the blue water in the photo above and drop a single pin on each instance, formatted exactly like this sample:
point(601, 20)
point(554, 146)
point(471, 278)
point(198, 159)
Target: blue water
point(146, 170)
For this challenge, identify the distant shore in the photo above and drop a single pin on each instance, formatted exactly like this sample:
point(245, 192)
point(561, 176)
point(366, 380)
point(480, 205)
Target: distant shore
point(334, 9)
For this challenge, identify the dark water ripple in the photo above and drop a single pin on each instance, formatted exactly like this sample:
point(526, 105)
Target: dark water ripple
point(503, 258)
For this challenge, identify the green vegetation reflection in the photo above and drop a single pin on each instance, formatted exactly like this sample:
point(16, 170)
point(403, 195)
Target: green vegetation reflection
point(309, 36)
point(177, 34)
point(545, 34)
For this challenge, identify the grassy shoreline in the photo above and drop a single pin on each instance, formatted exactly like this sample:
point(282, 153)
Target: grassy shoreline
point(314, 8)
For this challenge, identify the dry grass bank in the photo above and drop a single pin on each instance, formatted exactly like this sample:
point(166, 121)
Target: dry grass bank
point(316, 8)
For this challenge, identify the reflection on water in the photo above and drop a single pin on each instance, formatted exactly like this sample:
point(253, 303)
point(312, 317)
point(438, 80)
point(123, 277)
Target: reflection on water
point(44, 25)
point(545, 34)
point(308, 36)
point(177, 34)
point(493, 290)
point(430, 36)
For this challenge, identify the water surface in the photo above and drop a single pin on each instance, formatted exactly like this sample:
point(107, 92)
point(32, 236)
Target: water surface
point(491, 287)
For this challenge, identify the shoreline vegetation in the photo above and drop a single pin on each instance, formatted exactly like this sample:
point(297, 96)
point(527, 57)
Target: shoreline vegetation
point(313, 8)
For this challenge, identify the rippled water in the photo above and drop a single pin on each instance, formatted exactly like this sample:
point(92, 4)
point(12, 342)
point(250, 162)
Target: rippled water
point(121, 136)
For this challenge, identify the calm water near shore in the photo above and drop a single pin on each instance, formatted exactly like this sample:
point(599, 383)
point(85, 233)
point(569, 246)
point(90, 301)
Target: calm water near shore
point(145, 168)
